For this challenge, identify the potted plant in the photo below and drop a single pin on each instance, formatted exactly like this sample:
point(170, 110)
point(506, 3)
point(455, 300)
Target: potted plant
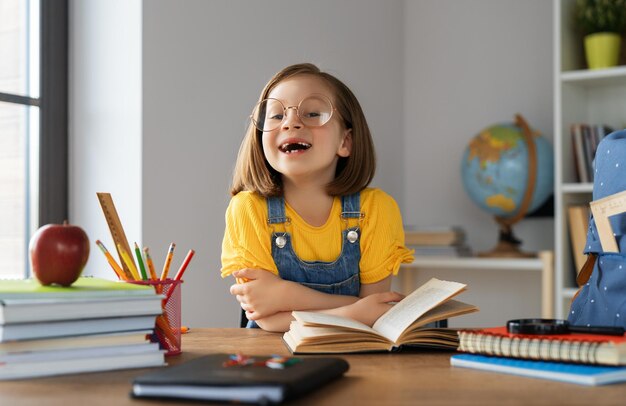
point(602, 23)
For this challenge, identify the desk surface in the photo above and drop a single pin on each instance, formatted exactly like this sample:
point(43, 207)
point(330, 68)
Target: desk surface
point(377, 379)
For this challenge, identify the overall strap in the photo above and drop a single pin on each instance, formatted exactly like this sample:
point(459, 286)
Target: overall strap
point(276, 210)
point(351, 206)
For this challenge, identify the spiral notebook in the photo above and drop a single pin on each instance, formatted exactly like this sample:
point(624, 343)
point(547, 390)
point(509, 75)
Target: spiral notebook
point(582, 348)
point(559, 371)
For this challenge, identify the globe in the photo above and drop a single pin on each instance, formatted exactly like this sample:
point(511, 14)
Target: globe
point(506, 178)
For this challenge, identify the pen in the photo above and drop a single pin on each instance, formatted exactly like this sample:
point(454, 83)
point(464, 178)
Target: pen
point(129, 262)
point(150, 264)
point(142, 268)
point(116, 268)
point(168, 261)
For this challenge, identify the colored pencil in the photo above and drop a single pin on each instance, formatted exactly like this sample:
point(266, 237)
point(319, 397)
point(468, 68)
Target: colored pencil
point(150, 264)
point(129, 262)
point(119, 271)
point(142, 268)
point(183, 267)
point(168, 261)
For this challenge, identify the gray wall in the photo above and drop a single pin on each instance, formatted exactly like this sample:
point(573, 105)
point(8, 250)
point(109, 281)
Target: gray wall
point(429, 74)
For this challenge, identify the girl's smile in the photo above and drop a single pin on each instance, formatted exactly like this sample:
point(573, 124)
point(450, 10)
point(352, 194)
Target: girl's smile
point(294, 146)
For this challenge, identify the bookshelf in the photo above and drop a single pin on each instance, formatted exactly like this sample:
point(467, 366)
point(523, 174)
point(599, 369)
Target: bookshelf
point(580, 96)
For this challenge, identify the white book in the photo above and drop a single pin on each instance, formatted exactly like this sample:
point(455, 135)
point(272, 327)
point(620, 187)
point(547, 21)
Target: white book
point(71, 353)
point(26, 331)
point(96, 363)
point(85, 341)
point(36, 310)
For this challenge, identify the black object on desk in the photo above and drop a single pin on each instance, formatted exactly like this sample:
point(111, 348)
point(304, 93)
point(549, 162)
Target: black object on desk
point(237, 378)
point(556, 326)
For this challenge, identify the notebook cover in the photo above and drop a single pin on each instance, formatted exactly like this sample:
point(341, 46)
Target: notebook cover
point(599, 338)
point(84, 287)
point(558, 371)
point(217, 371)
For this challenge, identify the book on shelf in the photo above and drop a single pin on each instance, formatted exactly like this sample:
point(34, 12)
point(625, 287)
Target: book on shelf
point(84, 287)
point(405, 324)
point(441, 250)
point(578, 221)
point(217, 378)
point(36, 310)
point(574, 347)
point(60, 328)
point(559, 371)
point(81, 360)
point(585, 140)
point(433, 236)
point(580, 160)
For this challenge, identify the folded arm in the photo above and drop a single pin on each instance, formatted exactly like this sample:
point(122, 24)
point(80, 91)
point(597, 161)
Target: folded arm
point(269, 300)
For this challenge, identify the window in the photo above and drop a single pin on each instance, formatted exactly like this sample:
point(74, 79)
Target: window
point(33, 125)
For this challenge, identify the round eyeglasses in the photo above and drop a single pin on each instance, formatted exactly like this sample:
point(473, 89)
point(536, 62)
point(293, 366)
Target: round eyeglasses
point(313, 111)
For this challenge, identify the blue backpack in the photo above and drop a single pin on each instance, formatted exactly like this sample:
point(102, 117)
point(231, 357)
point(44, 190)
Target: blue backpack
point(601, 299)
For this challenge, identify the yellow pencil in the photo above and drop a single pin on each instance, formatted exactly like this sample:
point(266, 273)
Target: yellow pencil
point(168, 261)
point(119, 271)
point(129, 262)
point(153, 275)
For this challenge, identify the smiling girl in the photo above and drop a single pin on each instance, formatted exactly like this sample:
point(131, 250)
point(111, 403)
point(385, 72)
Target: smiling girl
point(303, 231)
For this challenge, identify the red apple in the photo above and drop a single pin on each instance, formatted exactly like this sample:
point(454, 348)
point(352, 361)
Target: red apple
point(58, 253)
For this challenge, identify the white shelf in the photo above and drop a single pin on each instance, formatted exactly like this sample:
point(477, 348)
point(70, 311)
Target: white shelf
point(577, 187)
point(543, 263)
point(473, 263)
point(593, 78)
point(594, 97)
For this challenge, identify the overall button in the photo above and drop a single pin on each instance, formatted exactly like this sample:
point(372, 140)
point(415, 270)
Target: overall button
point(353, 236)
point(281, 241)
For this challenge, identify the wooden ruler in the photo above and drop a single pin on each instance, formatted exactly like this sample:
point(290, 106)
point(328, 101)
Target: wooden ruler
point(115, 226)
point(602, 209)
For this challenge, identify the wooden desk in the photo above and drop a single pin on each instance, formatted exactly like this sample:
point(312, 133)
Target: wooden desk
point(373, 379)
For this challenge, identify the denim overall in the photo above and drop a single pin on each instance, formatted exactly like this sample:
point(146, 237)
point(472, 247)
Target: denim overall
point(340, 277)
point(602, 299)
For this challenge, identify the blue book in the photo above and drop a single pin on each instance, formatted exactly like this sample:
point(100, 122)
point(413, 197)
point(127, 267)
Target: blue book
point(574, 373)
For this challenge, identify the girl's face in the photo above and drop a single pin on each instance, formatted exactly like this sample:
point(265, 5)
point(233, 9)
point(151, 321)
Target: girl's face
point(301, 153)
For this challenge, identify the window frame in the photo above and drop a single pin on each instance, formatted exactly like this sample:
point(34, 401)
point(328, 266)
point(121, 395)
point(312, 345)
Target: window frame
point(53, 114)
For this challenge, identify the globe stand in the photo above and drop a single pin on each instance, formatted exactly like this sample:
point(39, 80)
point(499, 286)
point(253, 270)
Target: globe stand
point(508, 244)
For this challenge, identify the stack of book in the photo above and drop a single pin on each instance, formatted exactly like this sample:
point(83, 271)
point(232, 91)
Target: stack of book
point(437, 241)
point(587, 359)
point(93, 325)
point(585, 140)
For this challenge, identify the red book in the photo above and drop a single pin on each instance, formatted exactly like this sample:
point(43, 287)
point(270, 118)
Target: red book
point(574, 347)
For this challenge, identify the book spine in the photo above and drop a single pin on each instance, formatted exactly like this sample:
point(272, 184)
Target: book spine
point(530, 348)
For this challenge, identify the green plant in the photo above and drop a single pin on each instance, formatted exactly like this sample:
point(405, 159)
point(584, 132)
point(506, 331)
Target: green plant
point(601, 16)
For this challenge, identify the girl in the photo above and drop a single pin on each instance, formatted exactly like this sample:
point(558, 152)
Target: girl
point(302, 229)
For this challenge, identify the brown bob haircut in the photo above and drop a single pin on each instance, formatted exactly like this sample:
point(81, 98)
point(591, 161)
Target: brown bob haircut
point(253, 172)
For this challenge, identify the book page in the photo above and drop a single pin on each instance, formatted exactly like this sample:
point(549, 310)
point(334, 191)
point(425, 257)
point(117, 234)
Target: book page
point(404, 313)
point(323, 319)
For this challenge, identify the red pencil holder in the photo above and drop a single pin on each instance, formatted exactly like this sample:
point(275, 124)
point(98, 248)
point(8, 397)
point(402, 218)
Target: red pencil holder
point(167, 329)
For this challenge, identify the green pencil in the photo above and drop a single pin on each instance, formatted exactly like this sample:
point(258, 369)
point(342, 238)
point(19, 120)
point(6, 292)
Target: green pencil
point(142, 268)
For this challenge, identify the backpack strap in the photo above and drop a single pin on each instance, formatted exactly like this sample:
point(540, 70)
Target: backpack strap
point(585, 272)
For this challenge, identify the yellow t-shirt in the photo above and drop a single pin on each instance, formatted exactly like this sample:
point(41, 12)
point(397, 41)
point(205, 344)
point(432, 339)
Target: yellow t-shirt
point(247, 238)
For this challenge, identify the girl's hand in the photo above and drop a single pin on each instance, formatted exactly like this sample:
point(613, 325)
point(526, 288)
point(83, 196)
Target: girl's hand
point(370, 308)
point(261, 295)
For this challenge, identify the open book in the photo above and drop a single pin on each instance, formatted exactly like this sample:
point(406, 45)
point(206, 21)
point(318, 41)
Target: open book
point(404, 324)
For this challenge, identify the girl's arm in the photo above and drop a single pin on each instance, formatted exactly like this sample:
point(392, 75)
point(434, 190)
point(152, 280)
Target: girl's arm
point(265, 294)
point(366, 310)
